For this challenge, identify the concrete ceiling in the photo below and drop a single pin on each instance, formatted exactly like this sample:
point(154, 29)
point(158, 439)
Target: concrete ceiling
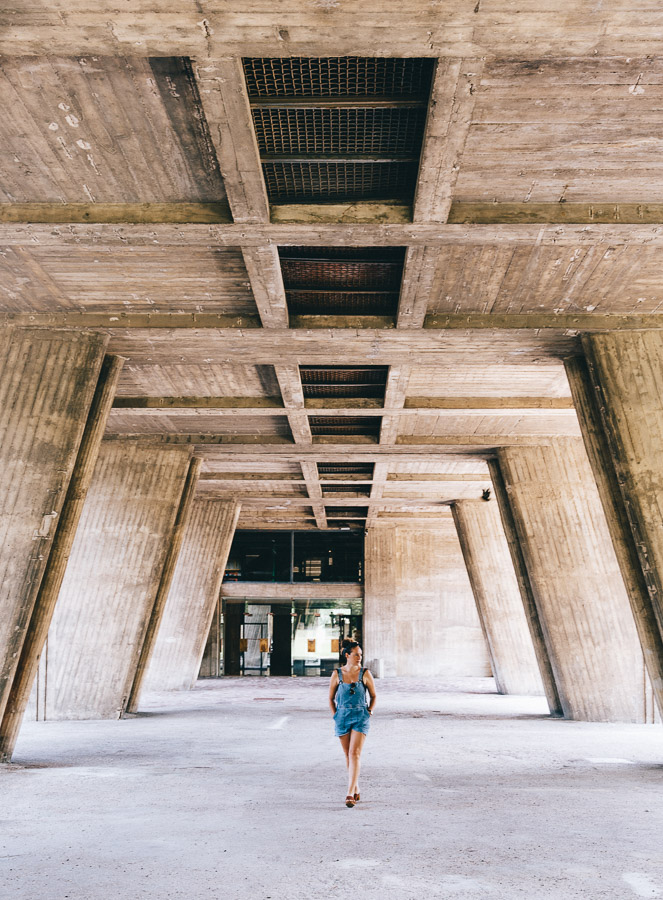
point(132, 201)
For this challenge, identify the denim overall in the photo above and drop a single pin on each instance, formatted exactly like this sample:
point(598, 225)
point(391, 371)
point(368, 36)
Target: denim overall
point(351, 707)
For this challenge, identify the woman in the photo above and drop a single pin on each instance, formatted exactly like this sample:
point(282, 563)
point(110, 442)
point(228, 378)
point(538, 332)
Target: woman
point(347, 701)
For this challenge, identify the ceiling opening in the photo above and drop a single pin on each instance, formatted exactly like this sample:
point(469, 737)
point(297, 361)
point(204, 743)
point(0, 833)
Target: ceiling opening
point(339, 129)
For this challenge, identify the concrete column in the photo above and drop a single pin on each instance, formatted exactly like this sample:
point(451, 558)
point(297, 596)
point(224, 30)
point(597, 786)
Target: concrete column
point(419, 613)
point(47, 382)
point(49, 590)
point(525, 587)
point(209, 665)
point(165, 582)
point(587, 404)
point(193, 596)
point(627, 373)
point(112, 579)
point(578, 588)
point(497, 596)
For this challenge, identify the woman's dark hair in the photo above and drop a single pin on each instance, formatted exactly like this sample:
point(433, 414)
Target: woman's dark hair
point(347, 647)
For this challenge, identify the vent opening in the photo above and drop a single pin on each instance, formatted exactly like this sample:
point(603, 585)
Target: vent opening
point(326, 426)
point(364, 382)
point(342, 280)
point(339, 129)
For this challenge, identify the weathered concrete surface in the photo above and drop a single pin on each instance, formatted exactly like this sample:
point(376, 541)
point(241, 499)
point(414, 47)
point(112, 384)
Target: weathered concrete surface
point(420, 616)
point(212, 794)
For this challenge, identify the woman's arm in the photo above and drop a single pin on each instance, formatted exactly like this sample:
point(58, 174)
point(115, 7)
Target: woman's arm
point(370, 687)
point(333, 687)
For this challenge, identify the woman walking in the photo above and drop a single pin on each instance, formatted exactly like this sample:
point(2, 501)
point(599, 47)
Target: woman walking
point(347, 700)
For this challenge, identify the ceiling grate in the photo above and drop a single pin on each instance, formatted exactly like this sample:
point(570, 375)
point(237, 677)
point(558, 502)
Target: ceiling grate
point(340, 470)
point(364, 382)
point(339, 129)
point(342, 281)
point(339, 76)
point(345, 425)
point(309, 182)
point(314, 132)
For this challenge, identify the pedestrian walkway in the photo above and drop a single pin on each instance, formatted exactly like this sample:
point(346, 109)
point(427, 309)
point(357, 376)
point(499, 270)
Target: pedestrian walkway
point(234, 791)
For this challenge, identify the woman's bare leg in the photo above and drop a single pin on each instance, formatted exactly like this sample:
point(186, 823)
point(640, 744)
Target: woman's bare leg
point(357, 739)
point(345, 743)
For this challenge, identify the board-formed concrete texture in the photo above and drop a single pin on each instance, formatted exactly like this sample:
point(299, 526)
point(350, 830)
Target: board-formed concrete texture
point(348, 251)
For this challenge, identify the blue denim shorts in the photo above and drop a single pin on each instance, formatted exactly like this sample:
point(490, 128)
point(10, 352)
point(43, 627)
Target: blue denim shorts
point(351, 718)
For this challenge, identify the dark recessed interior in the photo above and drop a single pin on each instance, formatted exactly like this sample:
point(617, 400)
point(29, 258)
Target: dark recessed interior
point(339, 129)
point(356, 382)
point(339, 471)
point(342, 280)
point(345, 425)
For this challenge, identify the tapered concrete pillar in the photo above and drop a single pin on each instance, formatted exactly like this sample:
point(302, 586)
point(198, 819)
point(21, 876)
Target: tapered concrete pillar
point(193, 596)
point(112, 579)
point(525, 587)
point(497, 596)
point(587, 404)
point(49, 590)
point(165, 583)
point(210, 665)
point(47, 382)
point(627, 373)
point(419, 612)
point(578, 588)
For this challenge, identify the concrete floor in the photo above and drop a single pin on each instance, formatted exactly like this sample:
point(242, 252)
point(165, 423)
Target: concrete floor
point(235, 791)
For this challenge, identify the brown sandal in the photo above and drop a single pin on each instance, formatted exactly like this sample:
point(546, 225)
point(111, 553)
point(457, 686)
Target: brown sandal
point(350, 801)
point(357, 798)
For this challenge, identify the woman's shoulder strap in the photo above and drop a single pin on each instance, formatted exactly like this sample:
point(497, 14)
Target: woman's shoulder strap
point(340, 675)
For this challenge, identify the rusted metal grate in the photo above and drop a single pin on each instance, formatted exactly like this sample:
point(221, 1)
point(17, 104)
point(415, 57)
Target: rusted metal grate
point(341, 128)
point(341, 274)
point(342, 280)
point(345, 425)
point(341, 381)
point(316, 181)
point(315, 132)
point(341, 469)
point(339, 76)
point(342, 303)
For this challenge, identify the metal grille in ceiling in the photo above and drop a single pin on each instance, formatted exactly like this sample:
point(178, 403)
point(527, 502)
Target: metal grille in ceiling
point(307, 182)
point(338, 76)
point(312, 132)
point(359, 489)
point(335, 129)
point(340, 470)
point(345, 425)
point(342, 281)
point(344, 381)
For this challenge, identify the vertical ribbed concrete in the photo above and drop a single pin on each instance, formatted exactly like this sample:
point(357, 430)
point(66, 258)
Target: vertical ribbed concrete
point(112, 579)
point(627, 371)
point(525, 587)
point(56, 567)
point(209, 664)
point(193, 596)
point(47, 381)
point(167, 575)
point(419, 612)
point(579, 592)
point(585, 398)
point(497, 596)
